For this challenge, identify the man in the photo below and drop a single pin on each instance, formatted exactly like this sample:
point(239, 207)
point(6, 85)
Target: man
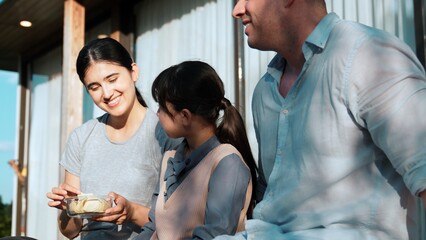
point(348, 104)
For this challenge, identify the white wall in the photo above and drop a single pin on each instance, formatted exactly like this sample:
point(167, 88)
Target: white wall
point(169, 32)
point(394, 16)
point(43, 161)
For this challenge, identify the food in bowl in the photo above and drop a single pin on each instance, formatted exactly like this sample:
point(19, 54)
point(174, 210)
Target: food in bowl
point(88, 205)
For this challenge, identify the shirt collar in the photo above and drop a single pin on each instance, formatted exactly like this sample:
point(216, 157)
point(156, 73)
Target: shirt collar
point(275, 68)
point(198, 154)
point(316, 41)
point(319, 36)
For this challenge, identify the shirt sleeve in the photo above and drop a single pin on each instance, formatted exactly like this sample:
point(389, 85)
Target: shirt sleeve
point(71, 157)
point(226, 197)
point(71, 160)
point(389, 101)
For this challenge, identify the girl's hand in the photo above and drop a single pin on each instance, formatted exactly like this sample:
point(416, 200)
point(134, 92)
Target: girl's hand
point(58, 194)
point(118, 213)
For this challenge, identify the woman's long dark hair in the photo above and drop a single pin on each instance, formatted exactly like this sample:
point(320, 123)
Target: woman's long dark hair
point(196, 86)
point(105, 50)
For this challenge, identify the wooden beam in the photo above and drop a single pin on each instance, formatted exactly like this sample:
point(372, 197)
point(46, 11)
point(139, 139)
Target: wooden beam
point(240, 79)
point(419, 33)
point(122, 23)
point(72, 89)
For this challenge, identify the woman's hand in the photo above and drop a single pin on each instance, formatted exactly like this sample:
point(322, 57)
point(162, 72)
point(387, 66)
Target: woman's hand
point(118, 213)
point(69, 227)
point(58, 194)
point(125, 210)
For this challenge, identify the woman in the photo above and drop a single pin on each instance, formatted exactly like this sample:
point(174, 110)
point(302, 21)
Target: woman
point(118, 152)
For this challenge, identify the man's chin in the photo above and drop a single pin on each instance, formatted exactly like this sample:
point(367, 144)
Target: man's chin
point(255, 45)
point(252, 44)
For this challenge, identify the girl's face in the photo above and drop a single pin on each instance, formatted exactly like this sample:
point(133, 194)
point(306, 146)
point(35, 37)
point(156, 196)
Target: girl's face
point(112, 87)
point(173, 125)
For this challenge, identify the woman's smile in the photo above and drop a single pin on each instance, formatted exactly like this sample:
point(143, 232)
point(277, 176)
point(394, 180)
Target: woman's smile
point(114, 102)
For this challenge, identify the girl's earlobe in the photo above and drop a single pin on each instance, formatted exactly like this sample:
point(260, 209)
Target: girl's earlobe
point(185, 113)
point(186, 116)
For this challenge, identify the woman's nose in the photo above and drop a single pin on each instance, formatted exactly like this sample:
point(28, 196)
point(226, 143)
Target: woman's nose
point(107, 91)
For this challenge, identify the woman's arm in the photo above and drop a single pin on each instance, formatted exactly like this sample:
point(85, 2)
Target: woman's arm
point(149, 228)
point(138, 214)
point(69, 227)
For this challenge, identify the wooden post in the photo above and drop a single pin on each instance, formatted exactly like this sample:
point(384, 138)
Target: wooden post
point(72, 89)
point(419, 19)
point(122, 24)
point(240, 81)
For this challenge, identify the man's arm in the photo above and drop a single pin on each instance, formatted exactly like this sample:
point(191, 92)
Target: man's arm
point(423, 196)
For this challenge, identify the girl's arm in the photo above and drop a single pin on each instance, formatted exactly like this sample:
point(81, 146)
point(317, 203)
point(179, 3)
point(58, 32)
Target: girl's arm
point(227, 194)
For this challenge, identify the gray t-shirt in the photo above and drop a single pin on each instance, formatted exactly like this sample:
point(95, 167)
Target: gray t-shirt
point(129, 168)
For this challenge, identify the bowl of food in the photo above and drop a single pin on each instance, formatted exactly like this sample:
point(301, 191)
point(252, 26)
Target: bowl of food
point(88, 205)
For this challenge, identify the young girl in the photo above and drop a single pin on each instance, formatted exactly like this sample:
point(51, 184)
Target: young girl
point(118, 152)
point(206, 184)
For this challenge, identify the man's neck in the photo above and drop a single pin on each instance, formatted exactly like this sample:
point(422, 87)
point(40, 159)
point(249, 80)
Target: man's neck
point(289, 76)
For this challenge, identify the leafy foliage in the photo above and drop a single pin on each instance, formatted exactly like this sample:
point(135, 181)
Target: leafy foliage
point(5, 218)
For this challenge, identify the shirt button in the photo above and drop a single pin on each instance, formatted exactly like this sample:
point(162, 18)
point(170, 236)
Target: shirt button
point(285, 111)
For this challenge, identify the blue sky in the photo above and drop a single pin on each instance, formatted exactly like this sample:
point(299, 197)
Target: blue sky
point(8, 96)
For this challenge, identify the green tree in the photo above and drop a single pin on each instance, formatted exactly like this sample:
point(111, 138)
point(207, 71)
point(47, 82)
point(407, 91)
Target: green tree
point(5, 218)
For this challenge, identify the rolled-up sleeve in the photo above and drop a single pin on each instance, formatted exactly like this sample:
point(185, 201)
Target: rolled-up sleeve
point(390, 102)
